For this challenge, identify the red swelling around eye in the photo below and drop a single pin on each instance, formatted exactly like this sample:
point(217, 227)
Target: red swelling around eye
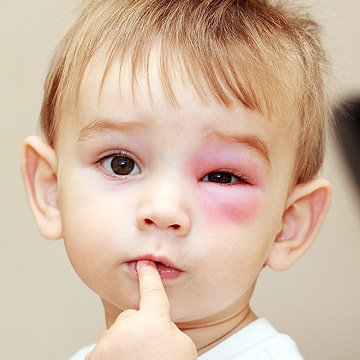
point(229, 204)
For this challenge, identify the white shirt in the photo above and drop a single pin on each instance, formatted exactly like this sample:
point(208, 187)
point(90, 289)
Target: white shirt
point(257, 341)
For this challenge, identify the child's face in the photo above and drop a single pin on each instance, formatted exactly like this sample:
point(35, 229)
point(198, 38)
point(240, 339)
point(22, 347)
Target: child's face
point(202, 186)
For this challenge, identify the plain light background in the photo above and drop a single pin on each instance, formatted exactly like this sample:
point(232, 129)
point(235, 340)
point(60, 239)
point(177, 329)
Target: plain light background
point(47, 313)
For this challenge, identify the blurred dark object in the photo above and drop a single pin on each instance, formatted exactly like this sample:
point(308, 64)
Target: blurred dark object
point(347, 128)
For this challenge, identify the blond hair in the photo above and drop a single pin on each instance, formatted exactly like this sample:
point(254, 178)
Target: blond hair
point(265, 56)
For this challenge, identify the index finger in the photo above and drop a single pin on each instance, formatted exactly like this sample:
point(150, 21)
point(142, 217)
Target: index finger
point(153, 297)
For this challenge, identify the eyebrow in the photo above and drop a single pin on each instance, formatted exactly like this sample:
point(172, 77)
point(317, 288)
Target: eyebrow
point(251, 140)
point(100, 125)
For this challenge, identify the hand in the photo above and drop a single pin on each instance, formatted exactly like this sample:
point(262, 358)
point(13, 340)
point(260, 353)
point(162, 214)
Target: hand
point(147, 333)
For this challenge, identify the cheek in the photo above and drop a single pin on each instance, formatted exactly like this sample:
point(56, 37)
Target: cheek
point(94, 245)
point(91, 223)
point(222, 204)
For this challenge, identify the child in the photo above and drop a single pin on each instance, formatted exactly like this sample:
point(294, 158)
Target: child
point(181, 141)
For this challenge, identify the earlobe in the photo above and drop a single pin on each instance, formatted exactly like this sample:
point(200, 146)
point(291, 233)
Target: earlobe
point(303, 216)
point(40, 178)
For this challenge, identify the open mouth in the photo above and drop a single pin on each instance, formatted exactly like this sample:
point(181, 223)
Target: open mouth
point(166, 271)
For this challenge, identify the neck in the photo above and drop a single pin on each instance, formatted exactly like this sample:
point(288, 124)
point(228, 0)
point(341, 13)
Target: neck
point(205, 333)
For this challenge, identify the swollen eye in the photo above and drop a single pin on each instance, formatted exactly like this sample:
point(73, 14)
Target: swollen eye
point(221, 177)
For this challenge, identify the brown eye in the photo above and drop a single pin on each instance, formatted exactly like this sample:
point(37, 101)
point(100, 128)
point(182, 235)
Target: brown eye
point(221, 177)
point(225, 177)
point(121, 165)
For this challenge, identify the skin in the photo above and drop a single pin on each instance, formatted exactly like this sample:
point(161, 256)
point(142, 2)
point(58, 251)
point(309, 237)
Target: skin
point(168, 207)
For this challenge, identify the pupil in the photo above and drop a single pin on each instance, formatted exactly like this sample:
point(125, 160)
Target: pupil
point(220, 177)
point(122, 165)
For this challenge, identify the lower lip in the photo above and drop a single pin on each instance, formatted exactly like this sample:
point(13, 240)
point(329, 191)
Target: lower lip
point(165, 272)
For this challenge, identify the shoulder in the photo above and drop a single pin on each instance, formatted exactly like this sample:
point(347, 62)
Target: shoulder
point(257, 341)
point(81, 354)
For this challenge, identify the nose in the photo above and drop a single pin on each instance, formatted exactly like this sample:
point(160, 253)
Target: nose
point(164, 210)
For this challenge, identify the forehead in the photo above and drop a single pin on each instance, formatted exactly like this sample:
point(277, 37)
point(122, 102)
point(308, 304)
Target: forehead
point(108, 85)
point(226, 79)
point(159, 76)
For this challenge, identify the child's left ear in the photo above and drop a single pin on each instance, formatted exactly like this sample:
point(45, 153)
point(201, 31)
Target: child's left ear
point(304, 214)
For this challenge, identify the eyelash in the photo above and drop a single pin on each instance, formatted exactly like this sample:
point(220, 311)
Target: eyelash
point(241, 179)
point(113, 154)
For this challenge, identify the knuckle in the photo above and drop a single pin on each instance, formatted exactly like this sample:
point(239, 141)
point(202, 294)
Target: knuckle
point(152, 290)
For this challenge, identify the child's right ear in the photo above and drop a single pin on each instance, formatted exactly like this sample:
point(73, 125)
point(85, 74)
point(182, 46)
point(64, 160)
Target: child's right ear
point(39, 169)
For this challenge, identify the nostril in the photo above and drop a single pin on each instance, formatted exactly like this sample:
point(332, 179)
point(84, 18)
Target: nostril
point(148, 221)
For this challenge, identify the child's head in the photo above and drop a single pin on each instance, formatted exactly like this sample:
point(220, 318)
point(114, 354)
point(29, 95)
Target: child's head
point(189, 132)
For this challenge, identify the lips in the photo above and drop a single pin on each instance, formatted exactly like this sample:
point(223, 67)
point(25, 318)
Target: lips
point(166, 269)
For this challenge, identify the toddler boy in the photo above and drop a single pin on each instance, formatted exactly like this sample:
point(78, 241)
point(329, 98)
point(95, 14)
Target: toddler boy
point(181, 142)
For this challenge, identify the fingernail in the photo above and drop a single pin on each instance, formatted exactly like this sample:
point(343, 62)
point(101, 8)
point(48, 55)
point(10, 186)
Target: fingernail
point(142, 263)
